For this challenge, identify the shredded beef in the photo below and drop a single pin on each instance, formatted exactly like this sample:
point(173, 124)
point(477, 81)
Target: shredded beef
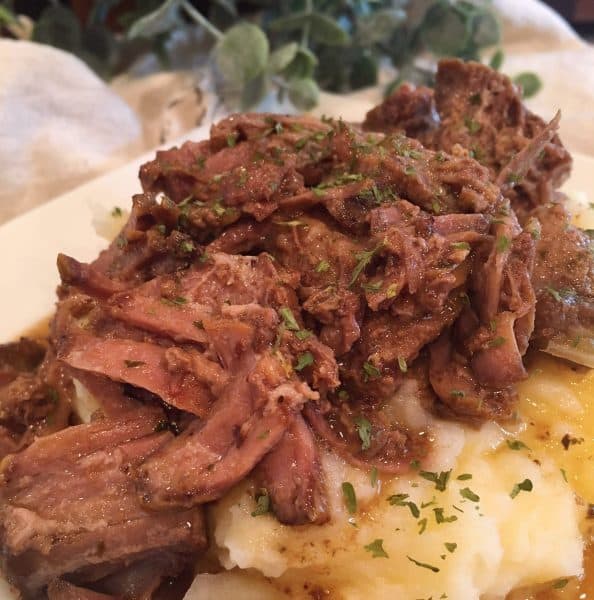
point(288, 287)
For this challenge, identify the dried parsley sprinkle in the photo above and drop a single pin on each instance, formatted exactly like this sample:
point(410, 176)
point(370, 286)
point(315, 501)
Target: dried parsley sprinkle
point(457, 394)
point(451, 546)
point(364, 258)
point(218, 209)
point(304, 360)
point(402, 500)
point(187, 246)
point(303, 334)
point(231, 140)
point(564, 475)
point(554, 293)
point(130, 364)
point(440, 480)
point(374, 286)
point(363, 427)
point(464, 477)
point(422, 525)
point(177, 301)
point(373, 477)
point(461, 246)
point(116, 212)
point(377, 549)
point(423, 565)
point(472, 125)
point(560, 584)
point(516, 445)
point(523, 486)
point(370, 371)
point(264, 434)
point(503, 243)
point(322, 266)
point(409, 170)
point(440, 156)
point(469, 495)
point(289, 319)
point(440, 518)
point(262, 503)
point(392, 291)
point(402, 364)
point(497, 342)
point(350, 498)
point(514, 178)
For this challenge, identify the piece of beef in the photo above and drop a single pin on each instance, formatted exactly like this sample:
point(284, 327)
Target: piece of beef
point(248, 419)
point(293, 479)
point(409, 109)
point(19, 357)
point(563, 278)
point(63, 590)
point(69, 507)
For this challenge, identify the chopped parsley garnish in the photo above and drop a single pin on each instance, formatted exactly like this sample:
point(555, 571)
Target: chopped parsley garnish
point(402, 364)
point(516, 445)
point(564, 475)
point(187, 246)
point(464, 477)
point(424, 565)
point(130, 364)
point(503, 243)
point(409, 170)
point(364, 258)
point(161, 228)
point(231, 140)
point(322, 266)
point(451, 546)
point(370, 371)
point(497, 342)
point(218, 209)
point(377, 549)
point(121, 241)
point(373, 287)
point(288, 319)
point(264, 434)
point(116, 212)
point(440, 480)
point(554, 293)
point(402, 500)
point(350, 498)
point(457, 394)
point(204, 257)
point(514, 178)
point(302, 334)
point(440, 518)
point(177, 301)
point(363, 427)
point(469, 495)
point(373, 477)
point(461, 246)
point(523, 486)
point(422, 525)
point(472, 125)
point(262, 503)
point(440, 156)
point(304, 360)
point(560, 584)
point(198, 324)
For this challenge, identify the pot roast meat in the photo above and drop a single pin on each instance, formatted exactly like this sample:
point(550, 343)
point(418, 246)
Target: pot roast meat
point(69, 507)
point(292, 476)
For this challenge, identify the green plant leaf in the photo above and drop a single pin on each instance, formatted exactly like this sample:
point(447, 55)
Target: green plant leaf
point(59, 27)
point(379, 26)
point(304, 93)
point(364, 71)
point(303, 65)
point(242, 54)
point(327, 31)
point(290, 22)
point(6, 16)
point(486, 29)
point(529, 82)
point(497, 59)
point(445, 31)
point(254, 91)
point(282, 57)
point(165, 18)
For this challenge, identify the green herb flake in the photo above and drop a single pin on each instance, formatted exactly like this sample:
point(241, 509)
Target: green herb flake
point(218, 209)
point(303, 334)
point(469, 495)
point(556, 295)
point(373, 477)
point(116, 212)
point(304, 360)
point(409, 170)
point(402, 364)
point(440, 156)
point(198, 324)
point(461, 246)
point(560, 584)
point(288, 319)
point(523, 486)
point(370, 371)
point(363, 427)
point(231, 140)
point(422, 525)
point(472, 125)
point(392, 291)
point(262, 503)
point(441, 518)
point(264, 434)
point(187, 246)
point(402, 500)
point(503, 243)
point(440, 480)
point(350, 498)
point(464, 477)
point(497, 342)
point(423, 565)
point(131, 364)
point(322, 266)
point(451, 547)
point(377, 549)
point(529, 82)
point(516, 445)
point(374, 286)
point(363, 259)
point(457, 394)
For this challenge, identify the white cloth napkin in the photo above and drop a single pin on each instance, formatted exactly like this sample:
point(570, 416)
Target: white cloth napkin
point(60, 124)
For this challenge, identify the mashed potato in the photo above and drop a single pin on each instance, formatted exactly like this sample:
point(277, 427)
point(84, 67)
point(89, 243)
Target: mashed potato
point(485, 544)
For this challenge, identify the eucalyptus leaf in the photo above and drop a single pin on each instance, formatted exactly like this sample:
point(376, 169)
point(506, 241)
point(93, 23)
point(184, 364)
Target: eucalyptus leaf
point(6, 16)
point(379, 26)
point(486, 29)
point(254, 91)
point(242, 54)
point(290, 22)
point(529, 82)
point(303, 65)
point(497, 59)
point(282, 57)
point(228, 6)
point(165, 18)
point(304, 93)
point(445, 31)
point(327, 30)
point(364, 71)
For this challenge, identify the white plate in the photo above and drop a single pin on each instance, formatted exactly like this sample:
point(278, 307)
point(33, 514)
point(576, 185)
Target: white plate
point(29, 244)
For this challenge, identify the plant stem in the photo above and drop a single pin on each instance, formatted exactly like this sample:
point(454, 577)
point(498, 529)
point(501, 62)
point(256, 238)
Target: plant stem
point(305, 34)
point(201, 20)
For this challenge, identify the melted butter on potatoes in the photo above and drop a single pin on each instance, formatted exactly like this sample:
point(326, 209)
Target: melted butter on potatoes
point(464, 547)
